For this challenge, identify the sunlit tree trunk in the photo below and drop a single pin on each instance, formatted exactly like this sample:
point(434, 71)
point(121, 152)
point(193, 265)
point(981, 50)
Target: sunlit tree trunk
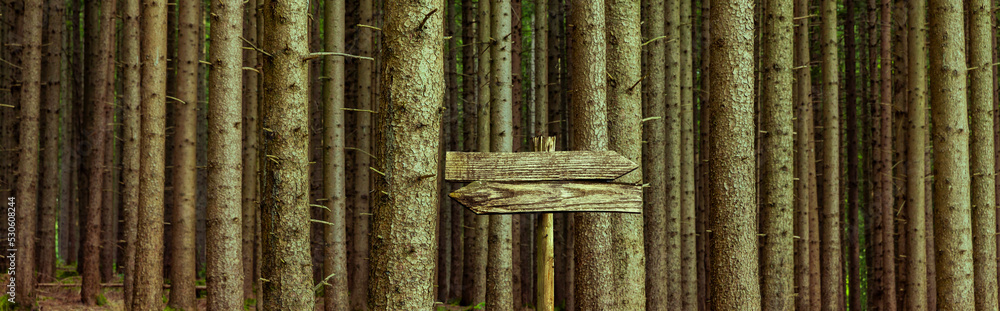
point(916, 287)
point(981, 162)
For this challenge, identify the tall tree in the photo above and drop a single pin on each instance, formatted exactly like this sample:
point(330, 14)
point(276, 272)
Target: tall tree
point(286, 264)
point(26, 202)
point(408, 130)
point(130, 142)
point(688, 291)
point(359, 261)
point(916, 287)
point(833, 282)
point(250, 150)
point(149, 239)
point(851, 111)
point(334, 233)
point(223, 215)
point(480, 252)
point(592, 244)
point(883, 158)
point(625, 132)
point(50, 177)
point(733, 272)
point(183, 222)
point(805, 189)
point(499, 270)
point(952, 213)
point(981, 161)
point(654, 154)
point(470, 112)
point(672, 148)
point(777, 192)
point(97, 124)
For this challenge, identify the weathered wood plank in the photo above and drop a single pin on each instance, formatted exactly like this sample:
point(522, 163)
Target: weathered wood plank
point(536, 166)
point(501, 197)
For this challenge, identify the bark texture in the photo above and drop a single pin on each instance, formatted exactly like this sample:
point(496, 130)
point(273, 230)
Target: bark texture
point(804, 189)
point(625, 132)
point(49, 177)
point(362, 160)
point(407, 139)
point(286, 263)
point(831, 271)
point(949, 113)
point(654, 154)
point(250, 150)
point(25, 198)
point(916, 286)
point(981, 161)
point(131, 118)
point(334, 232)
point(733, 267)
point(499, 265)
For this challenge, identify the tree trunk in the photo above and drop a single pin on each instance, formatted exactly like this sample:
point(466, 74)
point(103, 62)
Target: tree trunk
point(223, 244)
point(592, 236)
point(672, 148)
point(883, 170)
point(916, 287)
point(832, 273)
point(850, 81)
point(362, 160)
point(733, 272)
point(25, 198)
point(499, 270)
point(183, 221)
point(654, 154)
point(470, 111)
point(50, 177)
point(130, 140)
point(335, 249)
point(625, 132)
point(981, 161)
point(480, 252)
point(149, 245)
point(250, 150)
point(109, 220)
point(952, 217)
point(408, 128)
point(777, 192)
point(688, 291)
point(805, 189)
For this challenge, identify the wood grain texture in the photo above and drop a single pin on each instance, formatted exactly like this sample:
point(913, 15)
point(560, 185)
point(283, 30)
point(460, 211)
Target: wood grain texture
point(536, 166)
point(492, 197)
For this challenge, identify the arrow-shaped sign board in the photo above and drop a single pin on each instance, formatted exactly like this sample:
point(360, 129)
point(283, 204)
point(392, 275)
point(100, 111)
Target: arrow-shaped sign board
point(543, 182)
point(536, 166)
point(501, 197)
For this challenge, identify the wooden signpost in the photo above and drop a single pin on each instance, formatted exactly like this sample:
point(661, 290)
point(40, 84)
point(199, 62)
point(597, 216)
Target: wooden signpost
point(543, 182)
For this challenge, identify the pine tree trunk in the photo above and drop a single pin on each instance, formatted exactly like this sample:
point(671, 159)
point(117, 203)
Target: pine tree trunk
point(108, 205)
point(981, 161)
point(916, 287)
point(688, 271)
point(250, 150)
point(335, 249)
point(733, 272)
point(183, 221)
point(362, 160)
point(883, 169)
point(952, 215)
point(851, 90)
point(408, 130)
point(832, 274)
point(130, 140)
point(592, 231)
point(484, 51)
point(499, 270)
point(777, 192)
point(625, 132)
point(25, 199)
point(51, 71)
point(148, 262)
point(805, 188)
point(672, 148)
point(654, 154)
point(470, 112)
point(286, 265)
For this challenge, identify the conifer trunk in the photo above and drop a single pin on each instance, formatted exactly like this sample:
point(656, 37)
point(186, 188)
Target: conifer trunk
point(499, 270)
point(334, 233)
point(130, 142)
point(654, 154)
point(50, 177)
point(250, 148)
point(981, 161)
point(916, 287)
point(25, 199)
point(359, 261)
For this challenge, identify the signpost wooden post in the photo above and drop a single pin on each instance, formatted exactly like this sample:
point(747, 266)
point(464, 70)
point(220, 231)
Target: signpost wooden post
point(543, 182)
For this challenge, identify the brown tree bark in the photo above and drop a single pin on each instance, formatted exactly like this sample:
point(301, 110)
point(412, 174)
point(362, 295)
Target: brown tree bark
point(470, 113)
point(805, 189)
point(688, 292)
point(883, 169)
point(24, 200)
point(109, 204)
point(148, 263)
point(223, 245)
point(250, 148)
point(654, 154)
point(184, 220)
point(408, 130)
point(362, 160)
point(777, 171)
point(981, 161)
point(733, 273)
point(499, 270)
point(335, 296)
point(832, 274)
point(851, 92)
point(286, 262)
point(480, 252)
point(952, 215)
point(52, 74)
point(592, 236)
point(672, 148)
point(625, 136)
point(130, 140)
point(916, 286)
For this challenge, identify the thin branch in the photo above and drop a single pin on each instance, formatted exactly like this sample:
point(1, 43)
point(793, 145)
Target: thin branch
point(319, 54)
point(369, 27)
point(653, 39)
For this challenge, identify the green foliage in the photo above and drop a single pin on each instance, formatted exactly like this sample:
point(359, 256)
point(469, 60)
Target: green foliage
point(480, 306)
point(101, 300)
point(62, 274)
point(6, 305)
point(249, 303)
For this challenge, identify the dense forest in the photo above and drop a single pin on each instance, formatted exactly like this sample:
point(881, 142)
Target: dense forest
point(500, 154)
